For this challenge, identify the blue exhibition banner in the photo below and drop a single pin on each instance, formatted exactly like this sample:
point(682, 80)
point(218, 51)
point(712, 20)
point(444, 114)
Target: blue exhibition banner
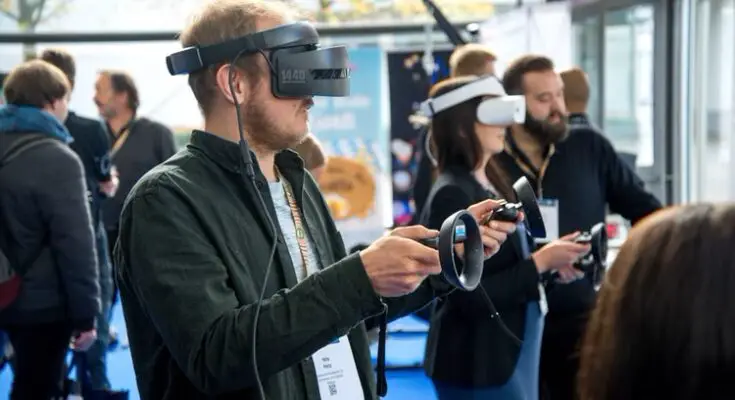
point(409, 85)
point(354, 133)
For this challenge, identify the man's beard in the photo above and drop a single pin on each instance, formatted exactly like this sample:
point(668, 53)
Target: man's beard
point(267, 133)
point(107, 112)
point(546, 132)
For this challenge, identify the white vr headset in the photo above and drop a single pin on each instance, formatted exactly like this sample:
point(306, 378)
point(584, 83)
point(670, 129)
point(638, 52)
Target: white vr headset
point(502, 110)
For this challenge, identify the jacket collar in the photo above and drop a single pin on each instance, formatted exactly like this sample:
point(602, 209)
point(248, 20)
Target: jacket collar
point(227, 155)
point(460, 173)
point(579, 119)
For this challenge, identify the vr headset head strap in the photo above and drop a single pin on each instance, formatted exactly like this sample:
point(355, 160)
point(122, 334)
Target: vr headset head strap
point(195, 58)
point(485, 86)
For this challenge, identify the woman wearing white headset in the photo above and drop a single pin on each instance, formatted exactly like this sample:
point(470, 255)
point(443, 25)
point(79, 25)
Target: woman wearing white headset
point(485, 344)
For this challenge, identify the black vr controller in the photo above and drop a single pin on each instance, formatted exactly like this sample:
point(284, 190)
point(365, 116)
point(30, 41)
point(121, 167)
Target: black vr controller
point(594, 263)
point(461, 227)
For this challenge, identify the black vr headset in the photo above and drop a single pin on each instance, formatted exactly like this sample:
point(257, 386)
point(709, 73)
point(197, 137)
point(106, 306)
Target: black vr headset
point(299, 67)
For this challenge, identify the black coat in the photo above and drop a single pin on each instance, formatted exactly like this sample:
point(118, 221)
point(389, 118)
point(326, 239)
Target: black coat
point(192, 256)
point(45, 216)
point(466, 347)
point(93, 148)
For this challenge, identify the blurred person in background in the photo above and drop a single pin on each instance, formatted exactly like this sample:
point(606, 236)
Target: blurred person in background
point(312, 153)
point(576, 96)
point(93, 147)
point(578, 176)
point(664, 324)
point(45, 231)
point(138, 143)
point(470, 59)
point(486, 344)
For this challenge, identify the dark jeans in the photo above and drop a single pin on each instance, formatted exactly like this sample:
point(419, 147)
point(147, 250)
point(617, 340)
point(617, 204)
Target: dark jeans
point(111, 239)
point(560, 356)
point(523, 383)
point(92, 372)
point(39, 359)
point(3, 344)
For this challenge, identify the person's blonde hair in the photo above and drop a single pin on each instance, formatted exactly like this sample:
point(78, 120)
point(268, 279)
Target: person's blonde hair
point(35, 83)
point(471, 59)
point(222, 20)
point(576, 88)
point(311, 152)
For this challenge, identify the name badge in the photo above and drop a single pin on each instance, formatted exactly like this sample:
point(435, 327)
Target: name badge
point(336, 372)
point(550, 213)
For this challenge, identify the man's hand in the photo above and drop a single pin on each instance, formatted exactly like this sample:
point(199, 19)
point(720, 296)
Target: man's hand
point(109, 188)
point(84, 340)
point(493, 234)
point(560, 255)
point(397, 264)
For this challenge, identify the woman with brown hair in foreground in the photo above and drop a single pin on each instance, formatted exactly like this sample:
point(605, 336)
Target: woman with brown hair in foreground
point(664, 325)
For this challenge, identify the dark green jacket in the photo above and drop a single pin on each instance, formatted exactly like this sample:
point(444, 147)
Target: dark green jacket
point(193, 249)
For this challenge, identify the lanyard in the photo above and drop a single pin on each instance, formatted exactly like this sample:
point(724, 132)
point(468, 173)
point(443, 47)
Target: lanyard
point(119, 140)
point(520, 157)
point(525, 164)
point(121, 137)
point(297, 222)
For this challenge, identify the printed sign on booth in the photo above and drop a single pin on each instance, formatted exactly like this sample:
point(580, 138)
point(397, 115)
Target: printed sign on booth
point(353, 131)
point(409, 85)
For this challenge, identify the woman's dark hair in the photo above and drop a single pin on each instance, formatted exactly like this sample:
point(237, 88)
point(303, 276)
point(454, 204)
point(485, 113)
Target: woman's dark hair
point(664, 325)
point(453, 137)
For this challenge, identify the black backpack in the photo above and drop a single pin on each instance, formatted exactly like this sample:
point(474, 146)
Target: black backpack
point(10, 276)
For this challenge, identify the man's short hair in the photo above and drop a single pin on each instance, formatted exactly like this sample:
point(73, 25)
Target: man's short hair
point(63, 60)
point(471, 59)
point(35, 83)
point(219, 21)
point(576, 86)
point(123, 82)
point(513, 76)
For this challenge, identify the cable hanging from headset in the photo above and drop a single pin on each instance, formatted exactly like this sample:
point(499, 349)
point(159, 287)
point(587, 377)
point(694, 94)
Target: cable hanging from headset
point(249, 177)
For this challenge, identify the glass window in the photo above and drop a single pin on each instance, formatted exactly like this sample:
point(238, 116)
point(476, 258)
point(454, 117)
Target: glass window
point(628, 81)
point(587, 57)
point(10, 56)
point(713, 101)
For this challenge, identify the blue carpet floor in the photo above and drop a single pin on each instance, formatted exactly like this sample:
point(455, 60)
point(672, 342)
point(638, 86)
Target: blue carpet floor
point(405, 348)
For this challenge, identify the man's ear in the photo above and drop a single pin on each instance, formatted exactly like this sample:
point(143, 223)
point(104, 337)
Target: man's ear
point(58, 104)
point(222, 77)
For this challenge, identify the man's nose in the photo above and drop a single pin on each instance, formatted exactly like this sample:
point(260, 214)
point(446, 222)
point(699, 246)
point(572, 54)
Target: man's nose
point(559, 106)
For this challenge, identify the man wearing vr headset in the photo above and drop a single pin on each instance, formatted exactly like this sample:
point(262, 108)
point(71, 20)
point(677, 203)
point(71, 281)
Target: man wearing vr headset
point(230, 266)
point(469, 59)
point(577, 175)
